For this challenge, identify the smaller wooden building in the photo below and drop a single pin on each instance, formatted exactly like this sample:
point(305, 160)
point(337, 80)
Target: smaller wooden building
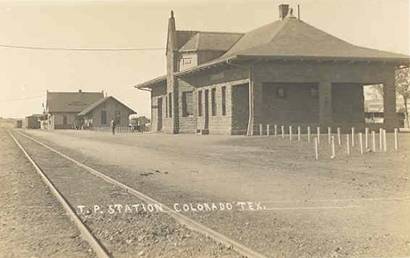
point(32, 122)
point(100, 114)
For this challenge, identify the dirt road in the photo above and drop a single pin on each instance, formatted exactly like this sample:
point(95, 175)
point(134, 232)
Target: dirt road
point(350, 206)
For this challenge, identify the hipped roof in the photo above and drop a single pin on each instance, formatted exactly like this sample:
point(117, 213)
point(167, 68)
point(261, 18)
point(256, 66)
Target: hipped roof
point(287, 39)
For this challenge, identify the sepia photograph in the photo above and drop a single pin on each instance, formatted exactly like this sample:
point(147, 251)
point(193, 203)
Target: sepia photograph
point(207, 128)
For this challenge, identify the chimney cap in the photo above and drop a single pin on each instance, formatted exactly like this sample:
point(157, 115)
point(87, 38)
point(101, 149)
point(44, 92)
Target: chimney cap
point(172, 13)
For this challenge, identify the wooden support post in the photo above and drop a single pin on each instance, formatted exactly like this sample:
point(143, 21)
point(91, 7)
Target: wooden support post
point(347, 145)
point(339, 137)
point(332, 142)
point(329, 135)
point(373, 141)
point(361, 142)
point(290, 133)
point(298, 133)
point(396, 139)
point(308, 133)
point(366, 139)
point(318, 134)
point(267, 129)
point(316, 148)
point(384, 141)
point(353, 143)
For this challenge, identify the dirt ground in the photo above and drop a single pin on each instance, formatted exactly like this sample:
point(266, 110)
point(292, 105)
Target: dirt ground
point(349, 206)
point(32, 222)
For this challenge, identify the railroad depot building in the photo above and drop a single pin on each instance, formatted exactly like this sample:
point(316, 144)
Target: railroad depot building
point(286, 73)
point(100, 113)
point(85, 110)
point(62, 108)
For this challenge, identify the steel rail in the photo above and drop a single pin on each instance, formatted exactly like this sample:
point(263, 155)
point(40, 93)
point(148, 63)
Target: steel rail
point(86, 234)
point(188, 222)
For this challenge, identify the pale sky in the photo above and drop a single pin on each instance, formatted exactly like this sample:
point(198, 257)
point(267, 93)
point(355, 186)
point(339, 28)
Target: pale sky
point(25, 75)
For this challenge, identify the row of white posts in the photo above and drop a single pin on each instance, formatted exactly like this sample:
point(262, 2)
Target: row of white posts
point(350, 139)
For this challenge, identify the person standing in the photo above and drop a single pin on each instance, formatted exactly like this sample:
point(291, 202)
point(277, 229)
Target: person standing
point(113, 126)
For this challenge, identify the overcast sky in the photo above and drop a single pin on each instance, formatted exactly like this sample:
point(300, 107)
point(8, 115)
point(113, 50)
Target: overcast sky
point(25, 75)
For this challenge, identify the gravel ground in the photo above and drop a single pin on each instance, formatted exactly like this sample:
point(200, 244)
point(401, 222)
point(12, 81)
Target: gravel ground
point(32, 222)
point(350, 206)
point(133, 232)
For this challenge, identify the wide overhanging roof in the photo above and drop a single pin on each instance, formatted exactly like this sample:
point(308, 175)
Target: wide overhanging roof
point(294, 40)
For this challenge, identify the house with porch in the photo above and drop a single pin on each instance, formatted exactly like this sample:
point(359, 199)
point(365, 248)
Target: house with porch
point(286, 73)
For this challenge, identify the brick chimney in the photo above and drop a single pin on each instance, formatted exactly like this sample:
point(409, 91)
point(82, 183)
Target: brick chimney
point(172, 67)
point(283, 11)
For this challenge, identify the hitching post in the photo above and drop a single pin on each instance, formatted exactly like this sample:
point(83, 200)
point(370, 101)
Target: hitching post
point(290, 133)
point(361, 142)
point(308, 133)
point(347, 144)
point(260, 129)
point(396, 139)
point(329, 135)
point(275, 128)
point(283, 131)
point(332, 140)
point(339, 139)
point(353, 143)
point(267, 129)
point(384, 141)
point(381, 139)
point(298, 133)
point(318, 134)
point(373, 141)
point(366, 138)
point(316, 149)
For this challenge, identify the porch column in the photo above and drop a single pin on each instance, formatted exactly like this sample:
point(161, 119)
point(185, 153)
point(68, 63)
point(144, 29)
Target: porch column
point(389, 102)
point(251, 119)
point(325, 103)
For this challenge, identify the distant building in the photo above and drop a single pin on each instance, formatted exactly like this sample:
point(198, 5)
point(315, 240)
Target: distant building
point(286, 73)
point(100, 113)
point(62, 108)
point(32, 122)
point(19, 123)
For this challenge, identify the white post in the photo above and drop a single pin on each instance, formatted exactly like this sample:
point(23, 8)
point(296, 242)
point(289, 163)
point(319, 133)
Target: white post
point(308, 133)
point(339, 139)
point(353, 143)
point(361, 143)
point(298, 133)
point(332, 141)
point(381, 139)
point(384, 141)
point(318, 134)
point(290, 133)
point(396, 139)
point(275, 128)
point(260, 129)
point(329, 135)
point(373, 141)
point(283, 131)
point(316, 149)
point(267, 129)
point(366, 139)
point(347, 145)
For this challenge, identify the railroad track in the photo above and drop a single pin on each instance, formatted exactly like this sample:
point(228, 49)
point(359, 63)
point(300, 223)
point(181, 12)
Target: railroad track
point(95, 244)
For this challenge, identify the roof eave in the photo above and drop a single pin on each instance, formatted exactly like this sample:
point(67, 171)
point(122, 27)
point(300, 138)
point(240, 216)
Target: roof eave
point(398, 60)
